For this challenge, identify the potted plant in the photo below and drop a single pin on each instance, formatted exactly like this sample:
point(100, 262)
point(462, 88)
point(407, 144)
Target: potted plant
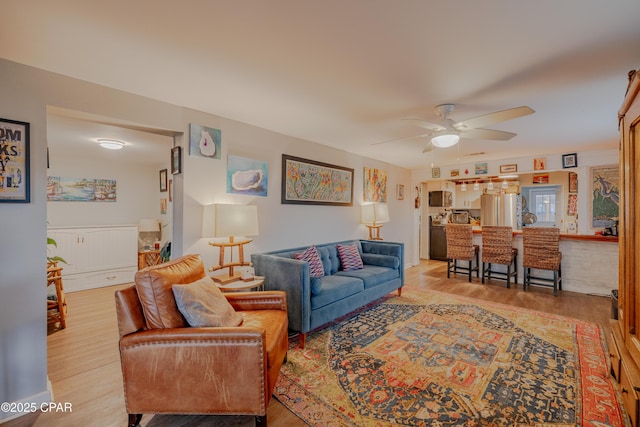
point(53, 260)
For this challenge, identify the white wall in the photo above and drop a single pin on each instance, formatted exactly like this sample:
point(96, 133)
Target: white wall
point(283, 225)
point(138, 194)
point(26, 93)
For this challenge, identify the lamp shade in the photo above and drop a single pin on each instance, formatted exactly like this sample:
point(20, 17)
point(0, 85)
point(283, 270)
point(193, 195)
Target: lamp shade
point(445, 140)
point(229, 220)
point(149, 225)
point(374, 213)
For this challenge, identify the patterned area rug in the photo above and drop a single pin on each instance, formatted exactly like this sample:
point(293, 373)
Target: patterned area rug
point(439, 360)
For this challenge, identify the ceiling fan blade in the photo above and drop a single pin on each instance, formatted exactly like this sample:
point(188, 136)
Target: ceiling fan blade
point(428, 148)
point(492, 118)
point(498, 135)
point(401, 139)
point(427, 125)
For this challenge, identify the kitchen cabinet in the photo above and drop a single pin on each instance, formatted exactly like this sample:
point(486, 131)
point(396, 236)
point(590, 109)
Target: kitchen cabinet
point(626, 330)
point(96, 256)
point(469, 199)
point(441, 185)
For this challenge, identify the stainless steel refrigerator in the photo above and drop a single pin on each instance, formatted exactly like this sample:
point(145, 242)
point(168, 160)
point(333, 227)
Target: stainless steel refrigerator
point(501, 209)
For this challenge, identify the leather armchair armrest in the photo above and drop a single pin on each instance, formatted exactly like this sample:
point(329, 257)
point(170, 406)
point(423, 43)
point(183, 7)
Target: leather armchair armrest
point(264, 300)
point(200, 360)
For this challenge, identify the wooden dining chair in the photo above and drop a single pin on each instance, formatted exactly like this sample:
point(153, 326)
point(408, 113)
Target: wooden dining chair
point(460, 247)
point(541, 251)
point(497, 248)
point(57, 304)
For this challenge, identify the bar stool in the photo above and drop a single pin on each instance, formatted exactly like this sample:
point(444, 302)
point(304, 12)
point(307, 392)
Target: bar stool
point(541, 250)
point(57, 305)
point(460, 247)
point(497, 248)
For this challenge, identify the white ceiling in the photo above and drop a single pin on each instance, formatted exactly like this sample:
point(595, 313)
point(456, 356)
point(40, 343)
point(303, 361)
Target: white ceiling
point(346, 72)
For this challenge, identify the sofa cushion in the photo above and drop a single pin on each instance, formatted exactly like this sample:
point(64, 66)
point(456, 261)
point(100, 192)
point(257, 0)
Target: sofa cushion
point(203, 304)
point(381, 260)
point(349, 257)
point(335, 288)
point(330, 260)
point(371, 275)
point(316, 285)
point(153, 285)
point(310, 255)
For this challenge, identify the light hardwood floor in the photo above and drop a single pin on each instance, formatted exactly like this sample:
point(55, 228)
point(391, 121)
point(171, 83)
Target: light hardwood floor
point(84, 364)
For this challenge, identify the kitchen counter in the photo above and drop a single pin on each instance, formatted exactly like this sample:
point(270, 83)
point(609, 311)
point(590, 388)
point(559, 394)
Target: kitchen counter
point(565, 236)
point(589, 262)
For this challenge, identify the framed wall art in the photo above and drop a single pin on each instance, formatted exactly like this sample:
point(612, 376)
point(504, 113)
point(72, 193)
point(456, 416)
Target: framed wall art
point(204, 141)
point(481, 168)
point(247, 176)
point(540, 178)
point(375, 185)
point(572, 204)
point(508, 168)
point(14, 162)
point(605, 193)
point(163, 180)
point(176, 160)
point(573, 182)
point(435, 172)
point(62, 189)
point(400, 191)
point(309, 182)
point(570, 160)
point(539, 163)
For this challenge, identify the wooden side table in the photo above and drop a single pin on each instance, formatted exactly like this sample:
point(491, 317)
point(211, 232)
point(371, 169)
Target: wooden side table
point(240, 285)
point(147, 258)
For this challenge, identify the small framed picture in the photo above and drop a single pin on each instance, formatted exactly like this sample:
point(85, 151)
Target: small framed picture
point(400, 192)
point(539, 163)
point(569, 160)
point(176, 160)
point(435, 172)
point(163, 180)
point(573, 182)
point(481, 168)
point(508, 168)
point(454, 172)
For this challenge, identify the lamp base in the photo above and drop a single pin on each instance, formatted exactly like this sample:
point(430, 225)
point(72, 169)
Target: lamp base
point(374, 231)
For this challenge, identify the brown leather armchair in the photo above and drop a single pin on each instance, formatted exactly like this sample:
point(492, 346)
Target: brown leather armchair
point(169, 367)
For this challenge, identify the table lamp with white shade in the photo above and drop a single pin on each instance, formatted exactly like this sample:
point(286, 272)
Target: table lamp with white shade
point(373, 215)
point(221, 220)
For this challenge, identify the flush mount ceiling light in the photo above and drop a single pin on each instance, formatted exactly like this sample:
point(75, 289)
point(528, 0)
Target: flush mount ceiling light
point(445, 139)
point(111, 144)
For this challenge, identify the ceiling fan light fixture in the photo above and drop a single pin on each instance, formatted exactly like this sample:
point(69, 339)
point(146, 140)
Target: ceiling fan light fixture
point(445, 140)
point(111, 144)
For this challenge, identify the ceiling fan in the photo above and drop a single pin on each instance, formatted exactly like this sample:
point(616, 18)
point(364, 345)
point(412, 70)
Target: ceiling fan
point(447, 132)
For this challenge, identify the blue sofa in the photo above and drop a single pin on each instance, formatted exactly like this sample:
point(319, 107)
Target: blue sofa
point(316, 301)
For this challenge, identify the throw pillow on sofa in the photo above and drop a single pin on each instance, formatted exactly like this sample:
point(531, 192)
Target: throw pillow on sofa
point(350, 257)
point(203, 304)
point(316, 269)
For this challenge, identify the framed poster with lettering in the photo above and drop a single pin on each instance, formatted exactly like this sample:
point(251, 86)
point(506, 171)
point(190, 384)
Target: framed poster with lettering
point(14, 161)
